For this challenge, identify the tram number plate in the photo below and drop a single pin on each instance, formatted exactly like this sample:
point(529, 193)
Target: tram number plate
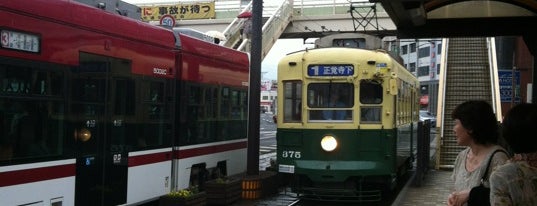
point(291, 154)
point(286, 168)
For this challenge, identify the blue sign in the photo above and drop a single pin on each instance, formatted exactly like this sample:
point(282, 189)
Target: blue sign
point(507, 92)
point(330, 70)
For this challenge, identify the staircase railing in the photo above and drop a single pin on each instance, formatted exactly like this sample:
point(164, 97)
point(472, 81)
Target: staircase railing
point(232, 31)
point(278, 19)
point(495, 79)
point(272, 28)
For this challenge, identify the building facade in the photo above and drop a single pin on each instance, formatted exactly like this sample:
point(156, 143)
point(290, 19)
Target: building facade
point(422, 58)
point(268, 96)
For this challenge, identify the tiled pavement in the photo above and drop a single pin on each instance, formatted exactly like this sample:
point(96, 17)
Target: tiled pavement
point(434, 190)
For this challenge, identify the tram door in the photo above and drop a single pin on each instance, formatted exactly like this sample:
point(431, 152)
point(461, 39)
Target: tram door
point(100, 98)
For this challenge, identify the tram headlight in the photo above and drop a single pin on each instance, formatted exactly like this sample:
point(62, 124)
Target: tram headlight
point(329, 143)
point(83, 134)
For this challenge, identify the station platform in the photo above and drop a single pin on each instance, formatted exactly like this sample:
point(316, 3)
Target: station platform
point(434, 187)
point(433, 191)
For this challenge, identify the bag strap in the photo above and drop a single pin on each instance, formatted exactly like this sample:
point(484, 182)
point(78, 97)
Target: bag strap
point(485, 177)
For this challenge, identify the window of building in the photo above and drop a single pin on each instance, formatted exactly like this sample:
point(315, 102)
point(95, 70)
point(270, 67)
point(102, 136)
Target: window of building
point(412, 47)
point(404, 49)
point(424, 52)
point(394, 48)
point(412, 67)
point(423, 71)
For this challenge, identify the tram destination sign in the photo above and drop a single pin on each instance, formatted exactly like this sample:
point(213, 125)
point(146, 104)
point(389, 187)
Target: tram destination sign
point(19, 41)
point(330, 70)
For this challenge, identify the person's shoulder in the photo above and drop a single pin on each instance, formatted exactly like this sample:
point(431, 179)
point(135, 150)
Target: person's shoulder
point(462, 154)
point(464, 151)
point(499, 151)
point(508, 168)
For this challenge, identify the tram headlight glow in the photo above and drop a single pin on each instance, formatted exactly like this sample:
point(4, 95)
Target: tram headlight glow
point(83, 134)
point(329, 143)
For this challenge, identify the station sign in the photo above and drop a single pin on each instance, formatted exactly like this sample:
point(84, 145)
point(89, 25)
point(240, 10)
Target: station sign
point(509, 86)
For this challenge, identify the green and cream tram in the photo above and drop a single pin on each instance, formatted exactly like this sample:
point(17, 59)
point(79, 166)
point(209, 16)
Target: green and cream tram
point(347, 121)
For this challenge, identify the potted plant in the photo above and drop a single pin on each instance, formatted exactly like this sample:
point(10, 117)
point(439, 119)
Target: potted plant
point(223, 190)
point(184, 197)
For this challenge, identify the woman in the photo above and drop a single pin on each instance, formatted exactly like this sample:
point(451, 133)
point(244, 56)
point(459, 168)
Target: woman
point(515, 183)
point(476, 128)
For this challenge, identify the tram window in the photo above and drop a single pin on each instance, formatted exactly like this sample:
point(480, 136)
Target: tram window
point(154, 104)
point(190, 118)
point(224, 104)
point(244, 104)
point(370, 93)
point(235, 114)
point(237, 124)
point(237, 106)
point(195, 109)
point(351, 43)
point(30, 130)
point(156, 92)
point(370, 114)
point(330, 101)
point(23, 80)
point(155, 116)
point(211, 102)
point(194, 95)
point(88, 90)
point(292, 102)
point(123, 97)
point(32, 124)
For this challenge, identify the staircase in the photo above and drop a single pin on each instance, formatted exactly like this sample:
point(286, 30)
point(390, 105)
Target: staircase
point(468, 72)
point(275, 18)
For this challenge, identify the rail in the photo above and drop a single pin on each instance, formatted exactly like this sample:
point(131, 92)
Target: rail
point(279, 15)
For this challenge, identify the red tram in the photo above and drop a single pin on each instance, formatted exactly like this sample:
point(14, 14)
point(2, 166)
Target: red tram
point(100, 109)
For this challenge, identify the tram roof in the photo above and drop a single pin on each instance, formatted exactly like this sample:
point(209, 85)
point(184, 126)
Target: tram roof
point(92, 18)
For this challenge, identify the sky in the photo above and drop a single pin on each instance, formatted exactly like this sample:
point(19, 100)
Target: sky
point(281, 48)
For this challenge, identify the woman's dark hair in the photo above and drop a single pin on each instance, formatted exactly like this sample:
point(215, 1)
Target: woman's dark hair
point(478, 117)
point(519, 128)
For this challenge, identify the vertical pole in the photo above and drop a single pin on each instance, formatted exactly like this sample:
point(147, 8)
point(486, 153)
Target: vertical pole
point(513, 81)
point(255, 89)
point(534, 79)
point(531, 42)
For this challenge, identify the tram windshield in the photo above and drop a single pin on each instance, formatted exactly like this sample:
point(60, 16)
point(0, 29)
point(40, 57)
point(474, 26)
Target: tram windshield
point(330, 101)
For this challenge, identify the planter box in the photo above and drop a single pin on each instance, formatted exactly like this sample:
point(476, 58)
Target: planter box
point(223, 193)
point(199, 199)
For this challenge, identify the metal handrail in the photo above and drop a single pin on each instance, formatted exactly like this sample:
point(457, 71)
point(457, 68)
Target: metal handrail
point(232, 31)
point(441, 99)
point(495, 80)
point(273, 28)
